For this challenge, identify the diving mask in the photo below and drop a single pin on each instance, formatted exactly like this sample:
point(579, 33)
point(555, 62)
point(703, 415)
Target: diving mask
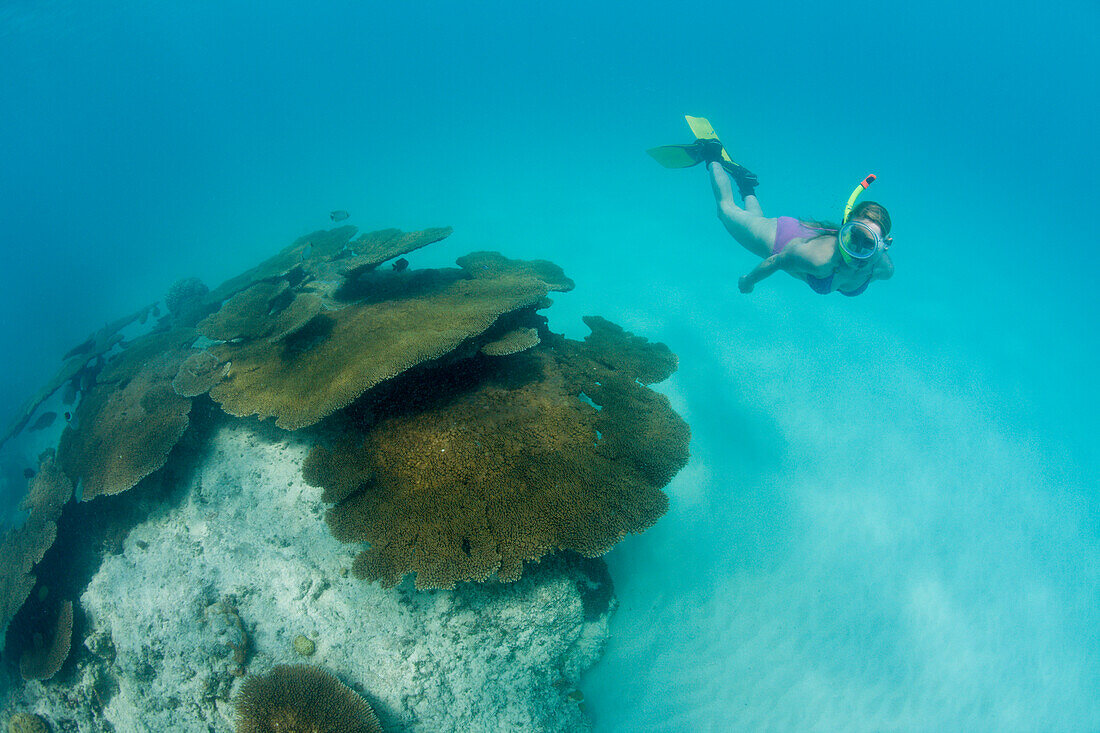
point(859, 241)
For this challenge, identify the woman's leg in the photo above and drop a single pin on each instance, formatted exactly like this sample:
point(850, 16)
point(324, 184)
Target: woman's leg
point(752, 230)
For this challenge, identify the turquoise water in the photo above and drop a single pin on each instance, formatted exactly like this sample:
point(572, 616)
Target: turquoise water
point(890, 519)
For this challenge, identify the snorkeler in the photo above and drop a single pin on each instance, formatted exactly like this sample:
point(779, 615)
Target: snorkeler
point(844, 258)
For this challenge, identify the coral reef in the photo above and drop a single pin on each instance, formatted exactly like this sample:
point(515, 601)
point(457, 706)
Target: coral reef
point(451, 432)
point(302, 698)
point(44, 420)
point(125, 365)
point(48, 492)
point(44, 660)
point(510, 467)
point(493, 265)
point(626, 353)
point(245, 526)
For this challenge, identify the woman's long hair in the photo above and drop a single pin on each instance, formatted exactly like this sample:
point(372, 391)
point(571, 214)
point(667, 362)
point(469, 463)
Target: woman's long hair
point(869, 210)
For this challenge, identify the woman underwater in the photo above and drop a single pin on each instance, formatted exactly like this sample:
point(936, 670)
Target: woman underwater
point(827, 258)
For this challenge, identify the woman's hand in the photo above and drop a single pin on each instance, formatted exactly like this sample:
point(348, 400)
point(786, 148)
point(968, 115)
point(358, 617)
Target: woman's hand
point(744, 284)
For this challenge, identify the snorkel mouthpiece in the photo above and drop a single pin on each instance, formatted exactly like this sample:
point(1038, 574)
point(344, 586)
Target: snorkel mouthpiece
point(848, 256)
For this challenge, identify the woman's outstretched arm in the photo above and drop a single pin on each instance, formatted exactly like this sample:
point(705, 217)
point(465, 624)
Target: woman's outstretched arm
point(767, 266)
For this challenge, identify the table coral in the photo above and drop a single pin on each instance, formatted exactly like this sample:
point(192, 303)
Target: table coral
point(22, 548)
point(345, 352)
point(124, 431)
point(245, 315)
point(511, 464)
point(77, 361)
point(321, 244)
point(512, 342)
point(45, 659)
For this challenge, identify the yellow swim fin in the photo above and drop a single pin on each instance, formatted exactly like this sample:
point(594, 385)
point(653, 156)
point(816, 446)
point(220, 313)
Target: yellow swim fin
point(701, 128)
point(685, 156)
point(676, 156)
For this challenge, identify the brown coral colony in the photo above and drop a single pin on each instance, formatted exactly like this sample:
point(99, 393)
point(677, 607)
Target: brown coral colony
point(300, 698)
point(506, 465)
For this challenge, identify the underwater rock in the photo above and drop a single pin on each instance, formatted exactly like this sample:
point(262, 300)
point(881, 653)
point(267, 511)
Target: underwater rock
point(226, 637)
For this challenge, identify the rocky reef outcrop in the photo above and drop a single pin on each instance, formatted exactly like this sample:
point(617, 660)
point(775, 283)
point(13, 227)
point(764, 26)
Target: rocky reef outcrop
point(418, 427)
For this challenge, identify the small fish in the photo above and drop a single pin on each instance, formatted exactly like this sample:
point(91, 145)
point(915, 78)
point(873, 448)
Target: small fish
point(401, 265)
point(44, 421)
point(68, 416)
point(28, 473)
point(338, 215)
